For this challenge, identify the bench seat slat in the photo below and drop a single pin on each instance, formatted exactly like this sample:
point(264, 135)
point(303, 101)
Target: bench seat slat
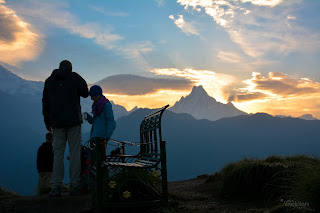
point(146, 161)
point(143, 164)
point(126, 164)
point(149, 154)
point(149, 158)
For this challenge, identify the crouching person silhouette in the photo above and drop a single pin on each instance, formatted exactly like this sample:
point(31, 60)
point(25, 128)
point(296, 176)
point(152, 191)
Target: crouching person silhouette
point(45, 164)
point(103, 123)
point(62, 115)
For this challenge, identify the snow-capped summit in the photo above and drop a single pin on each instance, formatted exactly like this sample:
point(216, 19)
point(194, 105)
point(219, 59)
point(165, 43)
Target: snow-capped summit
point(201, 106)
point(304, 117)
point(12, 84)
point(7, 75)
point(198, 92)
point(308, 117)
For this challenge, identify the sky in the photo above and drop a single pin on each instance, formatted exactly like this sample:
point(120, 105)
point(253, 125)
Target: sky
point(261, 55)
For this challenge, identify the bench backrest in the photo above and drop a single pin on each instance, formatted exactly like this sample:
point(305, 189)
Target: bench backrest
point(150, 135)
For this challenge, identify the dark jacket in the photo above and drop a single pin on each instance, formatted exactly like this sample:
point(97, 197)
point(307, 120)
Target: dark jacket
point(61, 99)
point(45, 158)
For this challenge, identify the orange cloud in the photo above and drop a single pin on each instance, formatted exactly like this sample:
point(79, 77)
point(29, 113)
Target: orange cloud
point(279, 85)
point(279, 93)
point(18, 42)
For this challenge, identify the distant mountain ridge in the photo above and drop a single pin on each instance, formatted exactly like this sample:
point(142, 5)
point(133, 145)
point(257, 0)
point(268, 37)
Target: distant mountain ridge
point(201, 106)
point(197, 147)
point(304, 117)
point(12, 84)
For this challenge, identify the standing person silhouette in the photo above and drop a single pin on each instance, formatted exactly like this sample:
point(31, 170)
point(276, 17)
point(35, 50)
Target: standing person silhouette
point(103, 123)
point(62, 116)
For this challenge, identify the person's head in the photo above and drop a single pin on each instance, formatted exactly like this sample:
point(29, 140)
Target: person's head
point(95, 93)
point(65, 66)
point(49, 137)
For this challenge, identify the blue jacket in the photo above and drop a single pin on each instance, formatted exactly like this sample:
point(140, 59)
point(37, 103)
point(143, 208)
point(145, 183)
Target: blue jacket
point(103, 125)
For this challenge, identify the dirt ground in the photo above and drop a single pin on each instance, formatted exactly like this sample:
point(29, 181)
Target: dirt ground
point(188, 196)
point(197, 196)
point(46, 204)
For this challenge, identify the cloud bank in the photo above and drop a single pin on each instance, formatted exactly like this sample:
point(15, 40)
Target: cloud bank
point(258, 27)
point(126, 84)
point(276, 85)
point(187, 27)
point(279, 93)
point(57, 15)
point(18, 41)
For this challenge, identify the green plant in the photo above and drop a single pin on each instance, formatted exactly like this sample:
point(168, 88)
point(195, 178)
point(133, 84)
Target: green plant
point(6, 193)
point(252, 178)
point(307, 187)
point(132, 184)
point(272, 178)
point(43, 190)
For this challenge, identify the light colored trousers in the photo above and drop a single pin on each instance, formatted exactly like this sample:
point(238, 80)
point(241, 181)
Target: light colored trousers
point(60, 138)
point(44, 179)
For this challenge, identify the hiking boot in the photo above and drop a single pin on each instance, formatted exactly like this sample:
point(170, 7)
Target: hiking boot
point(74, 191)
point(55, 192)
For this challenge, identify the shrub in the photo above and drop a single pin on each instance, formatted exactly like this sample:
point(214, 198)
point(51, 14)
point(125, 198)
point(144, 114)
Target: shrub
point(274, 178)
point(307, 187)
point(6, 193)
point(253, 178)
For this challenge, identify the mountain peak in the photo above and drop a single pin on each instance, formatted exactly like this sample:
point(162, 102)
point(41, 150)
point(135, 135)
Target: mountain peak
point(198, 90)
point(202, 106)
point(7, 74)
point(13, 84)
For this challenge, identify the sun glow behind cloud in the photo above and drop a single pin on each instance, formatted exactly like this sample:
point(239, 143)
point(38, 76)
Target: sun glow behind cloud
point(18, 41)
point(216, 84)
point(154, 100)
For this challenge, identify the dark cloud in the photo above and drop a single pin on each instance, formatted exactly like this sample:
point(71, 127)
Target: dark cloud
point(247, 97)
point(284, 88)
point(126, 84)
point(8, 25)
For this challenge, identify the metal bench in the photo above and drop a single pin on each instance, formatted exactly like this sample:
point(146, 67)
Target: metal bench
point(132, 180)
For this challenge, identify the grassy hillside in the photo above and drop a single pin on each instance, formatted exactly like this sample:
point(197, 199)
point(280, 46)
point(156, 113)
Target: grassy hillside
point(5, 193)
point(291, 184)
point(275, 185)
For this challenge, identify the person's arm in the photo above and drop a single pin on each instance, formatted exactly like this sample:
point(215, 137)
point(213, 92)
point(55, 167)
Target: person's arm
point(38, 162)
point(111, 124)
point(89, 118)
point(82, 87)
point(45, 108)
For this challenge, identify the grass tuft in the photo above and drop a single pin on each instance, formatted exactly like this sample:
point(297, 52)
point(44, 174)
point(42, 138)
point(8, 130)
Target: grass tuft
point(293, 178)
point(7, 194)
